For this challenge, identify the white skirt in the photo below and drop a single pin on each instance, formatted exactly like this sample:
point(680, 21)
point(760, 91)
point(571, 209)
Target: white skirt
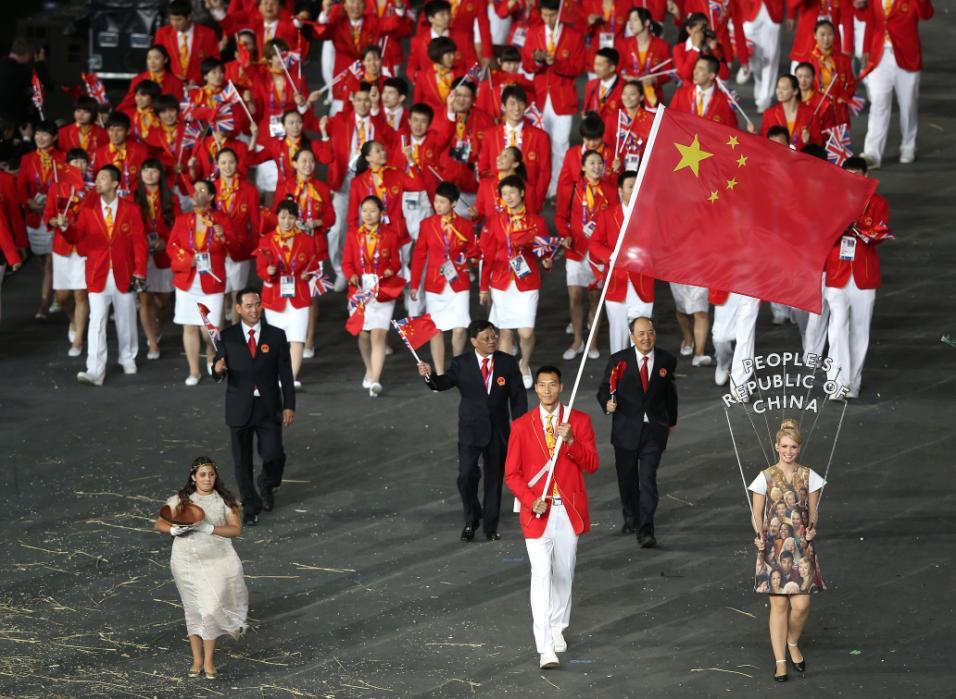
point(69, 272)
point(449, 309)
point(237, 274)
point(295, 321)
point(187, 312)
point(579, 272)
point(378, 315)
point(41, 240)
point(690, 299)
point(512, 309)
point(158, 281)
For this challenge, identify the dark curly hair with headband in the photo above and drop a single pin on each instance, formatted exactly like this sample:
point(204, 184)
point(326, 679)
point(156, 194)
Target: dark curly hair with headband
point(231, 502)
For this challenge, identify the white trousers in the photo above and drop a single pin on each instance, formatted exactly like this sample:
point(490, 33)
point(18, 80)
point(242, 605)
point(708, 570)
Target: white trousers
point(851, 310)
point(558, 128)
point(888, 78)
point(764, 34)
point(815, 338)
point(499, 27)
point(735, 321)
point(552, 558)
point(619, 317)
point(336, 237)
point(328, 62)
point(124, 318)
point(859, 30)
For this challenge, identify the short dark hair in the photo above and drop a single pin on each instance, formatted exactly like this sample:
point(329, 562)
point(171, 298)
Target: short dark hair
point(371, 48)
point(46, 126)
point(610, 54)
point(822, 23)
point(399, 84)
point(148, 87)
point(439, 46)
point(87, 104)
point(165, 103)
point(778, 130)
point(77, 154)
point(113, 171)
point(549, 4)
point(792, 79)
point(245, 291)
point(786, 554)
point(476, 327)
point(464, 82)
point(118, 119)
point(449, 191)
point(509, 54)
point(210, 64)
point(512, 181)
point(816, 150)
point(630, 325)
point(711, 61)
point(807, 65)
point(855, 162)
point(210, 185)
point(289, 206)
point(228, 151)
point(547, 369)
point(424, 110)
point(375, 200)
point(180, 8)
point(515, 91)
point(161, 49)
point(591, 126)
point(433, 7)
point(624, 177)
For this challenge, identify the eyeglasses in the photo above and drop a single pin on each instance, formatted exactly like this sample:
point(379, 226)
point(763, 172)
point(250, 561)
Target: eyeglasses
point(645, 333)
point(487, 338)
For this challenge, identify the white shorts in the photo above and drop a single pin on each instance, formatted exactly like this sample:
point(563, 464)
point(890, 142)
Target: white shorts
point(187, 312)
point(579, 272)
point(378, 315)
point(158, 281)
point(690, 299)
point(449, 309)
point(295, 321)
point(267, 177)
point(41, 240)
point(69, 272)
point(237, 274)
point(512, 309)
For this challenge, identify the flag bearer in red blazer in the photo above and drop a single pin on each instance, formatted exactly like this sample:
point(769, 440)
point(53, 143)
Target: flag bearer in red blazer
point(109, 233)
point(552, 521)
point(852, 275)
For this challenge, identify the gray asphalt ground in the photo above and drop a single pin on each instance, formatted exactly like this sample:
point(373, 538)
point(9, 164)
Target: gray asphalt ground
point(358, 584)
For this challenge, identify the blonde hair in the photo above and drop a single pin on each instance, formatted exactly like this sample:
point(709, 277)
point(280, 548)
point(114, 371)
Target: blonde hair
point(789, 428)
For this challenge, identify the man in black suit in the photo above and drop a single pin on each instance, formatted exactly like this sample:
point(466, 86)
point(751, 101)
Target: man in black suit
point(254, 357)
point(490, 383)
point(645, 411)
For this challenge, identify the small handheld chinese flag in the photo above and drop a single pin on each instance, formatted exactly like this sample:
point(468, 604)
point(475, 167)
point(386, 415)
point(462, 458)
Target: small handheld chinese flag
point(415, 332)
point(726, 210)
point(616, 373)
point(38, 94)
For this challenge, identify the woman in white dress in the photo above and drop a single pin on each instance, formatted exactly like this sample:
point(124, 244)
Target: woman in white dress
point(207, 571)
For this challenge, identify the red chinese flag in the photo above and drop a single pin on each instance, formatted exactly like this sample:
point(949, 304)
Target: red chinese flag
point(726, 210)
point(418, 331)
point(243, 56)
point(356, 321)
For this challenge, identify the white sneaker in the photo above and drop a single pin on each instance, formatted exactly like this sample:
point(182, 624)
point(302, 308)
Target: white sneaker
point(55, 307)
point(571, 352)
point(375, 389)
point(907, 156)
point(569, 330)
point(779, 320)
point(297, 384)
point(853, 393)
point(340, 284)
point(209, 367)
point(193, 380)
point(686, 350)
point(548, 661)
point(366, 382)
point(594, 354)
point(743, 75)
point(721, 376)
point(85, 378)
point(74, 351)
point(130, 367)
point(152, 355)
point(527, 380)
point(702, 360)
point(308, 353)
point(872, 162)
point(71, 335)
point(560, 645)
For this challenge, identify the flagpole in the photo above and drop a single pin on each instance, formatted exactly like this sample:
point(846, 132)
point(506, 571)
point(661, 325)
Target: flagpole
point(242, 102)
point(628, 209)
point(285, 69)
point(730, 97)
point(411, 349)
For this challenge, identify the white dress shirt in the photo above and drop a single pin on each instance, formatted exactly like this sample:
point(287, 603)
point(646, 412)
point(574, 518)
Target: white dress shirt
point(255, 336)
point(491, 368)
point(650, 368)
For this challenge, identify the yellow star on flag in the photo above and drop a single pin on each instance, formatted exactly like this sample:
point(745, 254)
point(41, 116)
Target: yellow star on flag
point(731, 183)
point(741, 161)
point(732, 142)
point(690, 156)
point(713, 197)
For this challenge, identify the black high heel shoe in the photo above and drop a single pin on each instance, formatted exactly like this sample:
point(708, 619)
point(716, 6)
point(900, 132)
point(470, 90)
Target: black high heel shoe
point(802, 665)
point(780, 678)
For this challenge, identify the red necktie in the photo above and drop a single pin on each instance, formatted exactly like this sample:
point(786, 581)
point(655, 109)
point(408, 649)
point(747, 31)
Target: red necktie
point(644, 377)
point(485, 370)
point(252, 349)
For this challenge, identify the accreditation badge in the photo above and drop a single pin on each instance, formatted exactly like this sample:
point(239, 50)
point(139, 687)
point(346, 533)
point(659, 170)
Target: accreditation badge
point(519, 266)
point(203, 262)
point(847, 248)
point(287, 286)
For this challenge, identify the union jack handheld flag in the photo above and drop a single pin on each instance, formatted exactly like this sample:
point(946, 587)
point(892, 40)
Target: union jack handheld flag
point(38, 94)
point(474, 74)
point(533, 114)
point(211, 328)
point(546, 246)
point(319, 284)
point(838, 144)
point(95, 88)
point(856, 104)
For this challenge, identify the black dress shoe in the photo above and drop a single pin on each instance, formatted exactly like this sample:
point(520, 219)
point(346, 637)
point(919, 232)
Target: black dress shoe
point(468, 533)
point(799, 667)
point(492, 536)
point(780, 678)
point(250, 520)
point(646, 541)
point(628, 528)
point(265, 493)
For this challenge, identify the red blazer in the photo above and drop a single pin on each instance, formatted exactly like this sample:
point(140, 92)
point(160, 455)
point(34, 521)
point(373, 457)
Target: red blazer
point(284, 30)
point(571, 169)
point(472, 132)
point(613, 25)
point(161, 227)
point(418, 60)
point(347, 50)
point(204, 45)
point(124, 252)
point(355, 259)
point(314, 205)
point(825, 112)
point(181, 252)
point(496, 269)
point(280, 150)
point(528, 452)
point(31, 180)
point(774, 116)
point(206, 152)
point(269, 103)
point(242, 209)
point(9, 254)
point(489, 101)
point(808, 12)
point(611, 101)
point(70, 194)
point(129, 165)
point(142, 124)
point(464, 15)
point(68, 138)
point(297, 261)
point(631, 65)
point(719, 109)
point(865, 265)
point(168, 83)
point(394, 184)
point(721, 14)
point(557, 80)
point(425, 173)
point(602, 246)
point(640, 128)
point(169, 155)
point(902, 24)
point(336, 152)
point(573, 214)
point(840, 68)
point(434, 247)
point(657, 8)
point(488, 203)
point(535, 150)
point(10, 205)
point(394, 54)
point(749, 9)
point(427, 90)
point(685, 59)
